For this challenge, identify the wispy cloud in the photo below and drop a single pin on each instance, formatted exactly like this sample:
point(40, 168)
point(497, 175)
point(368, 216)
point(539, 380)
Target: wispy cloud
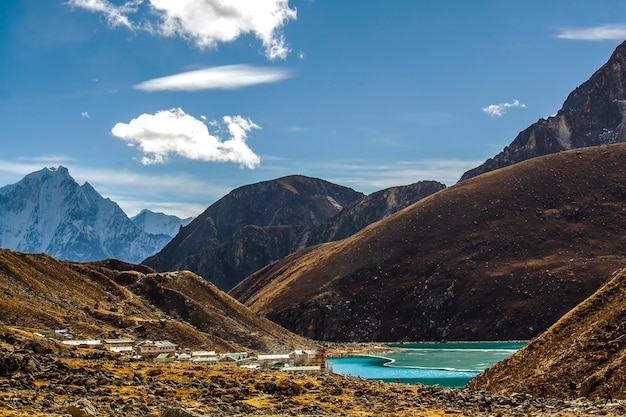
point(497, 110)
point(367, 176)
point(173, 132)
point(595, 33)
point(173, 193)
point(224, 77)
point(205, 23)
point(184, 194)
point(115, 15)
point(85, 115)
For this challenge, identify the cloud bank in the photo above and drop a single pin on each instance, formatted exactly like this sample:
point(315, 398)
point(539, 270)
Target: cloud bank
point(497, 110)
point(206, 23)
point(597, 33)
point(224, 77)
point(175, 133)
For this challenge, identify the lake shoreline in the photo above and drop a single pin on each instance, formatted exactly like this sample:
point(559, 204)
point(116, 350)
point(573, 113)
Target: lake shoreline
point(449, 364)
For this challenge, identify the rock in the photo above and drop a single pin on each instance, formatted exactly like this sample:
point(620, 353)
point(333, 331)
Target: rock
point(81, 408)
point(180, 412)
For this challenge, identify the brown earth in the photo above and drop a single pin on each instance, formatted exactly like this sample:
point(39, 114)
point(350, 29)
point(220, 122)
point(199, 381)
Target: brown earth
point(587, 346)
point(116, 299)
point(497, 257)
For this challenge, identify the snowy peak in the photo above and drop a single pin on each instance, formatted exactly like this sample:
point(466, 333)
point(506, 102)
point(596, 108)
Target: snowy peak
point(48, 211)
point(159, 223)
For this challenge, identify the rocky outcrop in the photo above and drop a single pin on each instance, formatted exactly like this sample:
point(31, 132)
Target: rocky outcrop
point(501, 256)
point(593, 114)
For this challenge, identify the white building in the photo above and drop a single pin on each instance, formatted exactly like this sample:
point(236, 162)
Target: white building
point(149, 348)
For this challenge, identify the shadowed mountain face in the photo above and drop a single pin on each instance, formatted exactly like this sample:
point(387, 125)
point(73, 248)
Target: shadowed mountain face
point(500, 256)
point(593, 114)
point(585, 346)
point(111, 298)
point(260, 223)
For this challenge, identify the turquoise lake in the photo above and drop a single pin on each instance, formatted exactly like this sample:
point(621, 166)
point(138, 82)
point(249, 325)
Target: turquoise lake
point(450, 364)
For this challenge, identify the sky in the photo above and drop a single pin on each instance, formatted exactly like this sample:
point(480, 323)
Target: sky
point(170, 104)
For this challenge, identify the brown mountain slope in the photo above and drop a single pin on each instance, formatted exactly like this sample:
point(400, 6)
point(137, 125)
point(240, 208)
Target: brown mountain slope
point(110, 298)
point(587, 345)
point(499, 256)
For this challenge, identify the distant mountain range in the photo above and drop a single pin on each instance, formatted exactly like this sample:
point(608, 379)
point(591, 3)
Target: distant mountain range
point(159, 223)
point(48, 211)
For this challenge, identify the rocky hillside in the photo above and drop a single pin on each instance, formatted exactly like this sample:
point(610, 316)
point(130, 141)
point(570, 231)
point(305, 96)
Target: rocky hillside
point(112, 298)
point(500, 256)
point(587, 345)
point(260, 223)
point(593, 114)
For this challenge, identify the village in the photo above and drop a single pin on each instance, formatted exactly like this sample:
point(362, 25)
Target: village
point(304, 361)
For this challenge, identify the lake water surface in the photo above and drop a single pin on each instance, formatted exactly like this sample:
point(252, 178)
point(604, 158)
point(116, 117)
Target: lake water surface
point(450, 364)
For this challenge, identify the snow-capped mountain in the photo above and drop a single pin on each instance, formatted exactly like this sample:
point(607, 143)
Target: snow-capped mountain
point(48, 211)
point(159, 223)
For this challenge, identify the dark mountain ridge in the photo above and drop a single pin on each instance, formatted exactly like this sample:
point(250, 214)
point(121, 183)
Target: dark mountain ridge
point(292, 200)
point(260, 223)
point(592, 115)
point(500, 256)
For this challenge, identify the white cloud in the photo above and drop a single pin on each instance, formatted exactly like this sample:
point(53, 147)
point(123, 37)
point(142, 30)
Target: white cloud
point(204, 22)
point(173, 132)
point(597, 33)
point(497, 110)
point(224, 77)
point(115, 15)
point(85, 115)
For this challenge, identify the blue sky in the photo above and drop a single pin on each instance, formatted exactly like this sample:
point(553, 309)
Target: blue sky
point(170, 104)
